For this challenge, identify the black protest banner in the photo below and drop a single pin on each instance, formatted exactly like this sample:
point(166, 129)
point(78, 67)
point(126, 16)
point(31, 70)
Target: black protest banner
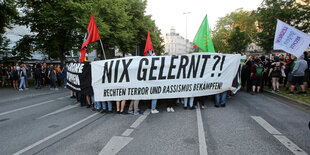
point(79, 78)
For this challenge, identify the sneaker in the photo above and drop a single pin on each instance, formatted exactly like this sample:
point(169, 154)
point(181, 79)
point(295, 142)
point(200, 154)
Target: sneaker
point(138, 113)
point(192, 108)
point(216, 105)
point(273, 91)
point(223, 105)
point(155, 111)
point(278, 90)
point(252, 93)
point(171, 109)
point(185, 108)
point(130, 112)
point(290, 93)
point(168, 109)
point(98, 110)
point(20, 89)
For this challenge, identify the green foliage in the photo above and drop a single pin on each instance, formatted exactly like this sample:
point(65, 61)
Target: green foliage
point(238, 41)
point(60, 25)
point(290, 12)
point(23, 48)
point(226, 26)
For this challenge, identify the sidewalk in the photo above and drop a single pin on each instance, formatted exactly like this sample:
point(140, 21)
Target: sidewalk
point(9, 94)
point(278, 95)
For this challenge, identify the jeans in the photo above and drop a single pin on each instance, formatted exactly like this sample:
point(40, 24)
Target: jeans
point(22, 82)
point(38, 81)
point(52, 81)
point(65, 82)
point(154, 103)
point(97, 105)
point(104, 106)
point(217, 98)
point(191, 102)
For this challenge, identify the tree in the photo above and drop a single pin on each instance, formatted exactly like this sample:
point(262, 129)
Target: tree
point(238, 41)
point(56, 25)
point(23, 48)
point(8, 15)
point(226, 25)
point(291, 12)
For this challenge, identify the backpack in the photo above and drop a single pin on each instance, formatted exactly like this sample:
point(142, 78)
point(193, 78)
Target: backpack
point(259, 70)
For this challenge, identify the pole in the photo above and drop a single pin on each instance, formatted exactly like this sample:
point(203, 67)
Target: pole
point(102, 50)
point(186, 13)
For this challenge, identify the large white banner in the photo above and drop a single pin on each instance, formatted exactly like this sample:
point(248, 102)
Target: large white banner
point(157, 77)
point(290, 39)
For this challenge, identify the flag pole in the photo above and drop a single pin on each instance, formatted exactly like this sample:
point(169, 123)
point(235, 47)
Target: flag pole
point(102, 50)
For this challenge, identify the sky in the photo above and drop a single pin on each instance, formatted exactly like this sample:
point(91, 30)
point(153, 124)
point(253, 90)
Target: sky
point(167, 13)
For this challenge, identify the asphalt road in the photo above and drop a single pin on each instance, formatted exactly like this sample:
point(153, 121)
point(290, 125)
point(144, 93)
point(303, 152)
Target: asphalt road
point(49, 122)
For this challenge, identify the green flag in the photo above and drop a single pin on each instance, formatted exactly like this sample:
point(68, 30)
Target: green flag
point(203, 37)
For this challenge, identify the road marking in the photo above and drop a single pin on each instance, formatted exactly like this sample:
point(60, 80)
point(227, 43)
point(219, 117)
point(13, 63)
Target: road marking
point(290, 145)
point(59, 110)
point(115, 144)
point(140, 119)
point(53, 135)
point(15, 110)
point(201, 133)
point(285, 141)
point(266, 125)
point(127, 132)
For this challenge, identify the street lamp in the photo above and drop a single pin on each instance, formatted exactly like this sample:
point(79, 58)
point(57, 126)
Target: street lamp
point(186, 13)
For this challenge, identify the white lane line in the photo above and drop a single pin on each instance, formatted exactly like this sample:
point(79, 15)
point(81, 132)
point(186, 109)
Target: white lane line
point(127, 132)
point(60, 110)
point(140, 119)
point(266, 125)
point(284, 140)
point(115, 144)
point(15, 110)
point(53, 135)
point(290, 145)
point(201, 133)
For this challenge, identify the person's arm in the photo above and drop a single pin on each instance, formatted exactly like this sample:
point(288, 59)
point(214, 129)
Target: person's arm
point(48, 74)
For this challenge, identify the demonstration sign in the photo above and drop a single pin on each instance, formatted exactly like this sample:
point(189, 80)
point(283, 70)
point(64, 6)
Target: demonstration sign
point(136, 78)
point(290, 39)
point(79, 78)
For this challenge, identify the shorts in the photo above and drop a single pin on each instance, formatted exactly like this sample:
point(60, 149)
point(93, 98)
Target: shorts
point(257, 81)
point(289, 77)
point(297, 80)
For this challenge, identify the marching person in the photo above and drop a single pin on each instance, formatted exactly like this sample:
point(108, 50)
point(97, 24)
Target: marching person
point(52, 76)
point(120, 106)
point(191, 103)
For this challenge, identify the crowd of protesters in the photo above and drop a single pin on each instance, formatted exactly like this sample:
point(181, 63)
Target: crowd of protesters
point(19, 75)
point(276, 71)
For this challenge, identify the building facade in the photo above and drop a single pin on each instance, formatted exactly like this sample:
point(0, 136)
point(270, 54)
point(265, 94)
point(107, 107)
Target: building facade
point(176, 44)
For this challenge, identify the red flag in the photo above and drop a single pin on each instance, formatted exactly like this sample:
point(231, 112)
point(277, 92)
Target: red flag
point(149, 50)
point(195, 46)
point(91, 35)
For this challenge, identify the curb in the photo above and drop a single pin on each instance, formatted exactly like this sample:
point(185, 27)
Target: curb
point(288, 98)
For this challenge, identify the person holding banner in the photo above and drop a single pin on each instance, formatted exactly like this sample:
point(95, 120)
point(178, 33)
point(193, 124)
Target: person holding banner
point(220, 102)
point(134, 107)
point(191, 103)
point(120, 109)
